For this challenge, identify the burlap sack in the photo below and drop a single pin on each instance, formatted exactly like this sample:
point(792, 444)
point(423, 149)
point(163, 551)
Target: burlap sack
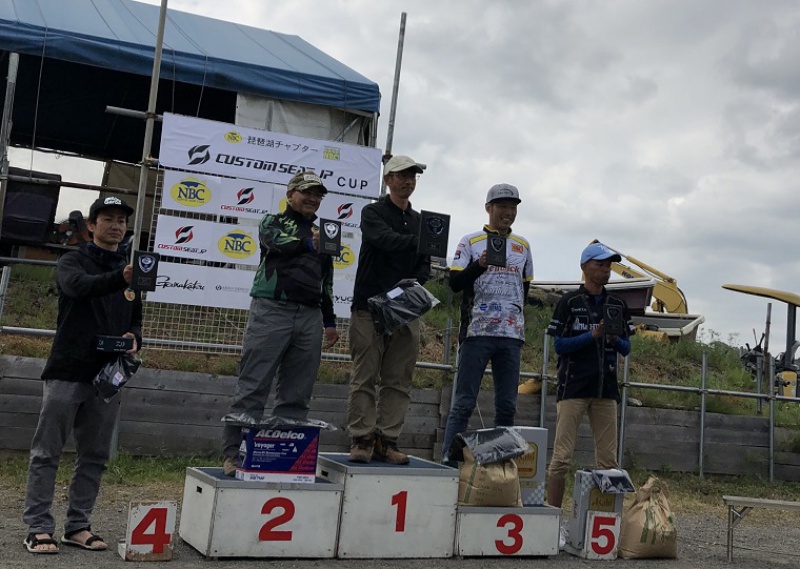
point(648, 527)
point(495, 484)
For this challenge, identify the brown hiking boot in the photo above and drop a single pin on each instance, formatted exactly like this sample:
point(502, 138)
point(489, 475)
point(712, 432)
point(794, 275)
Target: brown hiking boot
point(361, 449)
point(386, 451)
point(229, 466)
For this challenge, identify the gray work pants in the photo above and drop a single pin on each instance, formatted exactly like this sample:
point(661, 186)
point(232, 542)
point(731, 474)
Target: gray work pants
point(283, 340)
point(66, 406)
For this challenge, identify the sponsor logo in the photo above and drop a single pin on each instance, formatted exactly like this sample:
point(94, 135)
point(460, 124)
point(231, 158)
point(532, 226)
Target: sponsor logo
point(344, 210)
point(458, 253)
point(199, 154)
point(227, 288)
point(516, 248)
point(342, 299)
point(245, 196)
point(331, 153)
point(184, 234)
point(237, 244)
point(345, 259)
point(191, 192)
point(233, 137)
point(274, 434)
point(165, 282)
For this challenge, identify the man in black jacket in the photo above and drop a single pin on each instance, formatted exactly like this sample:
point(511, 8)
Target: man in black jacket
point(587, 367)
point(389, 229)
point(93, 299)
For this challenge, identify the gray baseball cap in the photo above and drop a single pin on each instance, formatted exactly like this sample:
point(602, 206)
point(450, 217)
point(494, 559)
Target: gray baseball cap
point(503, 192)
point(399, 163)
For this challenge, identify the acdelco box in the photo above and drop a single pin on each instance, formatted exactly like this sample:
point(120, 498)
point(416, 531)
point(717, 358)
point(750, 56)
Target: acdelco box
point(278, 454)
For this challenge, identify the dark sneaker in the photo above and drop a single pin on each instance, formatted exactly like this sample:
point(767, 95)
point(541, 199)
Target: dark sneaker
point(387, 451)
point(361, 449)
point(229, 466)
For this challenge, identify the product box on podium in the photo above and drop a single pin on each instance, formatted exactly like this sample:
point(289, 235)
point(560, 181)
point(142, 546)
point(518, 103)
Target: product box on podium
point(393, 511)
point(509, 532)
point(278, 454)
point(532, 466)
point(597, 513)
point(225, 517)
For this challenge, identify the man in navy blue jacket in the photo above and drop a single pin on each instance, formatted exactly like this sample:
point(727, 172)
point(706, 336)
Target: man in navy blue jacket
point(587, 367)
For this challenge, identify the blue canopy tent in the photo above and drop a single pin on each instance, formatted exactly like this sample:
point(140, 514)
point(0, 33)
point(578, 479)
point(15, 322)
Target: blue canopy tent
point(78, 57)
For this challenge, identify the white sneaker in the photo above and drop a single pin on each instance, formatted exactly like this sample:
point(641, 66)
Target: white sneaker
point(563, 536)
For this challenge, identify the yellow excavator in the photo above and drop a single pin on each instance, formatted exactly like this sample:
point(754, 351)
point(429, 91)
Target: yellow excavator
point(667, 297)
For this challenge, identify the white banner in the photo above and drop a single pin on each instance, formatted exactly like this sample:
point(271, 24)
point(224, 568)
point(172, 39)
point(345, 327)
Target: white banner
point(203, 193)
point(202, 286)
point(207, 240)
point(220, 148)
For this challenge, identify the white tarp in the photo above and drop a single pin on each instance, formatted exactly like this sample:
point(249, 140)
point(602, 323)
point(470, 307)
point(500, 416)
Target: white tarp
point(223, 149)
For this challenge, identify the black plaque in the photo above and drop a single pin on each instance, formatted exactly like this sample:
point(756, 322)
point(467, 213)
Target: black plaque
point(145, 270)
point(496, 250)
point(434, 229)
point(330, 237)
point(613, 320)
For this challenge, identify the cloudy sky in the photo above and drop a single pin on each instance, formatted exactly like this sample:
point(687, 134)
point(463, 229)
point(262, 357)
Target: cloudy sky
point(668, 129)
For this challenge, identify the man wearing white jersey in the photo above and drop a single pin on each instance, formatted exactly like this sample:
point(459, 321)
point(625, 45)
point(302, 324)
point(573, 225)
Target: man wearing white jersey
point(492, 318)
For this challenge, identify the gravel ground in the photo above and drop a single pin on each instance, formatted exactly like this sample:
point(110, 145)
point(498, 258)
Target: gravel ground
point(763, 540)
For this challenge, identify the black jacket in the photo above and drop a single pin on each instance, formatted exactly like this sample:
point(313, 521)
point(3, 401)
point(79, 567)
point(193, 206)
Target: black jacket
point(388, 250)
point(91, 301)
point(590, 371)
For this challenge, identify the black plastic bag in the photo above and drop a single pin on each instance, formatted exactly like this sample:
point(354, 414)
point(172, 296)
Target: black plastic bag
point(489, 445)
point(406, 301)
point(115, 374)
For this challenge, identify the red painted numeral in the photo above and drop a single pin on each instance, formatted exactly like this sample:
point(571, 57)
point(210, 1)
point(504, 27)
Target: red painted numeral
point(514, 532)
point(603, 529)
point(401, 501)
point(159, 537)
point(268, 532)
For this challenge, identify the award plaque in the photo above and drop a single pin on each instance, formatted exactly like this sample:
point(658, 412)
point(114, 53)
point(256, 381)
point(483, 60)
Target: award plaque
point(434, 229)
point(613, 320)
point(145, 270)
point(330, 237)
point(496, 250)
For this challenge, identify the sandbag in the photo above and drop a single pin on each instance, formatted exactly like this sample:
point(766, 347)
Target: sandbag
point(648, 526)
point(495, 484)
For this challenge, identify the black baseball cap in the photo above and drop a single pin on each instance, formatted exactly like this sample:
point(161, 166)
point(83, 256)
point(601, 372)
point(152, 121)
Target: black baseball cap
point(109, 202)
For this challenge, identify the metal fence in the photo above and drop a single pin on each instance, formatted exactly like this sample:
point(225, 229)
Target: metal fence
point(341, 355)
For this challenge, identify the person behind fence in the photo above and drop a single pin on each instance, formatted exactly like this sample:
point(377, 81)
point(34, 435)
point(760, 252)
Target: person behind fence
point(492, 314)
point(587, 366)
point(389, 229)
point(93, 299)
point(291, 308)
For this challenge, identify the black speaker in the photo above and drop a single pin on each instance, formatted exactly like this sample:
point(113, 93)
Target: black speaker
point(30, 208)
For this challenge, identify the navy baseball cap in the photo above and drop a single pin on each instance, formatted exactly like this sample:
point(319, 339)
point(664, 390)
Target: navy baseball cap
point(599, 252)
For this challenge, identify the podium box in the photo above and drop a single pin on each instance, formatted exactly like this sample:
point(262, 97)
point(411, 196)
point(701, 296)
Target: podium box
point(595, 522)
point(393, 511)
point(507, 532)
point(225, 517)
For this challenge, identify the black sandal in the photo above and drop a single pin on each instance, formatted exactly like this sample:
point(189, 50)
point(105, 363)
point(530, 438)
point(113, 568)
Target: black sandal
point(93, 538)
point(31, 542)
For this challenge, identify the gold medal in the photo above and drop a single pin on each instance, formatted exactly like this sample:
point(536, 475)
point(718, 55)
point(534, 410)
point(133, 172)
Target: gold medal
point(130, 294)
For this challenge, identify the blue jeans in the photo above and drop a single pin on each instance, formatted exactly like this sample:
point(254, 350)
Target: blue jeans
point(473, 355)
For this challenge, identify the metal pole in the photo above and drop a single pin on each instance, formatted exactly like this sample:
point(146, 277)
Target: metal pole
point(5, 129)
point(395, 89)
point(703, 394)
point(623, 412)
point(543, 392)
point(5, 276)
point(759, 379)
point(771, 423)
point(771, 377)
point(149, 124)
